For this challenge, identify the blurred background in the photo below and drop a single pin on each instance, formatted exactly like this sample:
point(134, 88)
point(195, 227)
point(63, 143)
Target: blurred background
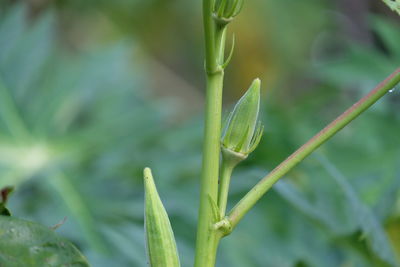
point(91, 92)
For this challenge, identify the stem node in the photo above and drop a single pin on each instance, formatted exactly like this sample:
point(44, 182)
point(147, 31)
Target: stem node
point(224, 226)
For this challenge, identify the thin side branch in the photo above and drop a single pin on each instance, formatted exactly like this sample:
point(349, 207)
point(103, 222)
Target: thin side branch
point(251, 198)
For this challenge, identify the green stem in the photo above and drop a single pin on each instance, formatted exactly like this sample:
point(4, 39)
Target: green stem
point(225, 178)
point(206, 236)
point(229, 161)
point(209, 33)
point(251, 198)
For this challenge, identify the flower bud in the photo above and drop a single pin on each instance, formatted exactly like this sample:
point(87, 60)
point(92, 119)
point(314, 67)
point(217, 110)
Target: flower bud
point(226, 10)
point(242, 132)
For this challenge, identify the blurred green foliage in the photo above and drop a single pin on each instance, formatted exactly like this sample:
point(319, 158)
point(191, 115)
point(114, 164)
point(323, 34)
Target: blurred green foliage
point(81, 116)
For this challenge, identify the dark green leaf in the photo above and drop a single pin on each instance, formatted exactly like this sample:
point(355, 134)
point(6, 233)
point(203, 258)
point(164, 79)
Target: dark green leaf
point(28, 244)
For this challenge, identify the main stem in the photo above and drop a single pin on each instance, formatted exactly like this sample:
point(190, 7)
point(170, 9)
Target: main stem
point(206, 236)
point(251, 198)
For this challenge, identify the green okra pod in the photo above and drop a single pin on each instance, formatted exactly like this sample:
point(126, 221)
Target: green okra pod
point(160, 241)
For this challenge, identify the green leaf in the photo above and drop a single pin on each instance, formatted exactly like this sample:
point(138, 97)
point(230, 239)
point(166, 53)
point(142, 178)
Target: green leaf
point(28, 244)
point(75, 202)
point(295, 198)
point(160, 241)
point(369, 224)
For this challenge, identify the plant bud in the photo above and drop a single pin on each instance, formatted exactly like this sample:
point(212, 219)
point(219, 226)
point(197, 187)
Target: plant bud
point(160, 241)
point(242, 132)
point(393, 5)
point(226, 10)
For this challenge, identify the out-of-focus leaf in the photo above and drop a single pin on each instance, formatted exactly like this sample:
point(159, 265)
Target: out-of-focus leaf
point(369, 224)
point(12, 26)
point(75, 202)
point(75, 113)
point(361, 65)
point(289, 192)
point(29, 244)
point(128, 239)
point(388, 32)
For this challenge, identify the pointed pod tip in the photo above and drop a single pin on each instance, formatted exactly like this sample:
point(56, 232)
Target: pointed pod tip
point(147, 172)
point(148, 177)
point(257, 81)
point(255, 86)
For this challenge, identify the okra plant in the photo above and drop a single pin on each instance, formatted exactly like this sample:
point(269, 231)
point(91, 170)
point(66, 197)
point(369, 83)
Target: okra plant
point(24, 243)
point(224, 149)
